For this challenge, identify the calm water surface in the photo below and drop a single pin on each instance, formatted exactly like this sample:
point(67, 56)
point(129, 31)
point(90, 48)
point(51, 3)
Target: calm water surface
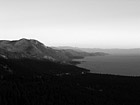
point(113, 64)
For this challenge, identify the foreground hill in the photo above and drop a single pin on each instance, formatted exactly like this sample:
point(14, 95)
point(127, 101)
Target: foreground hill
point(34, 67)
point(37, 82)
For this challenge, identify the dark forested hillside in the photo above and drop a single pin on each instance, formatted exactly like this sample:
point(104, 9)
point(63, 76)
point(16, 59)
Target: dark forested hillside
point(41, 82)
point(27, 66)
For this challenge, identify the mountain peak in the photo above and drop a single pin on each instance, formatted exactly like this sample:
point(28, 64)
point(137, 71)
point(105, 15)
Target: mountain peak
point(24, 47)
point(24, 39)
point(33, 41)
point(29, 48)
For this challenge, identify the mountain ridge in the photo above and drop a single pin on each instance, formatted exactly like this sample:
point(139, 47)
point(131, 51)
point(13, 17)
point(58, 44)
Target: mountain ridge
point(33, 49)
point(28, 48)
point(112, 51)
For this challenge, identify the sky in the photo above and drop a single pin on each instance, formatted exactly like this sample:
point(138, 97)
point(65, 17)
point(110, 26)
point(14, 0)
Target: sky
point(77, 23)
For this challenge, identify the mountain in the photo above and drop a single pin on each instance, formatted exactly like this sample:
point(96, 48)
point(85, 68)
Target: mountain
point(33, 49)
point(25, 48)
point(29, 56)
point(68, 47)
point(87, 51)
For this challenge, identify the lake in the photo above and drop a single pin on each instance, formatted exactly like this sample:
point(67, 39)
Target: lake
point(113, 64)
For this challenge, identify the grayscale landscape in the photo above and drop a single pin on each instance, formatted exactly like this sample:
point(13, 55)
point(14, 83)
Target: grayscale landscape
point(69, 52)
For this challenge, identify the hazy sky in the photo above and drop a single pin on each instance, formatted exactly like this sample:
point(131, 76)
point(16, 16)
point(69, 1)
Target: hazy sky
point(79, 23)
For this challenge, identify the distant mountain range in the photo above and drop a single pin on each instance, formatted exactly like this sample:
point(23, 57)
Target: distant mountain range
point(113, 51)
